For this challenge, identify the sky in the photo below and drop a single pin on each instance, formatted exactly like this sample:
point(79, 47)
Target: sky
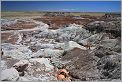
point(66, 6)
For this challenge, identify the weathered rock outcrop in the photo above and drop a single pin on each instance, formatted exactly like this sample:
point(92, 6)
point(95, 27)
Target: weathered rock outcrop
point(98, 64)
point(16, 51)
point(9, 75)
point(113, 44)
point(48, 53)
point(95, 39)
point(110, 67)
point(72, 33)
point(89, 53)
point(81, 64)
point(35, 69)
point(113, 27)
point(71, 45)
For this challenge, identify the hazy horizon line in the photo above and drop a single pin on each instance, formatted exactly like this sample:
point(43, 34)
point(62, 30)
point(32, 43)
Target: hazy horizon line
point(67, 11)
